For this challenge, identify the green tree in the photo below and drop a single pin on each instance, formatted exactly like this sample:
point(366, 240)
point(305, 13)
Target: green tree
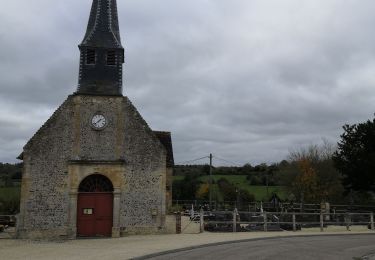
point(232, 193)
point(245, 196)
point(9, 173)
point(187, 188)
point(9, 205)
point(227, 189)
point(355, 156)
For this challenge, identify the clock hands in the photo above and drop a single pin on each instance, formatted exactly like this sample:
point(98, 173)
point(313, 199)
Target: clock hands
point(98, 121)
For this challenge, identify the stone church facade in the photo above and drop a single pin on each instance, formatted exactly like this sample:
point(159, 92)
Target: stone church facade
point(95, 168)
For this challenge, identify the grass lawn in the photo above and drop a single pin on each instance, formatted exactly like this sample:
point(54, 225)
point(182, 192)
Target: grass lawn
point(260, 192)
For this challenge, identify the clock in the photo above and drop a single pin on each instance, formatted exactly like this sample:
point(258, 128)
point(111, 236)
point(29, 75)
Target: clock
point(98, 122)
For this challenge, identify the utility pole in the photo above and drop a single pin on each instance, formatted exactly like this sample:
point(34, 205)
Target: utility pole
point(210, 181)
point(268, 197)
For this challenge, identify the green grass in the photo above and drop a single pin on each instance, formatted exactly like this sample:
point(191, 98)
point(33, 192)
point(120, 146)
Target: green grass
point(9, 192)
point(260, 192)
point(235, 179)
point(178, 178)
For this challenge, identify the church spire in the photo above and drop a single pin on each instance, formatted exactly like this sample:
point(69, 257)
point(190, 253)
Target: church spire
point(102, 54)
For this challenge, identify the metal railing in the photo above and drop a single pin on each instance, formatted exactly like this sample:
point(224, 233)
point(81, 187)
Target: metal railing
point(270, 206)
point(239, 221)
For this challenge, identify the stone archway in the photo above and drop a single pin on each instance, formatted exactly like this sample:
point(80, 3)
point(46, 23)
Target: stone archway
point(95, 207)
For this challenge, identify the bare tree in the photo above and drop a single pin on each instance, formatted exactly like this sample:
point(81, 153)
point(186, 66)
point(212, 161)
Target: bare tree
point(311, 175)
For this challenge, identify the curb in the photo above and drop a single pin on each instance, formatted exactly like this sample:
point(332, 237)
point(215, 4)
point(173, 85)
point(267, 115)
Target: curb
point(239, 241)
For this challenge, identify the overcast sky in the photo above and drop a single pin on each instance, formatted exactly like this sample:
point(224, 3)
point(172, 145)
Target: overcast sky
point(247, 80)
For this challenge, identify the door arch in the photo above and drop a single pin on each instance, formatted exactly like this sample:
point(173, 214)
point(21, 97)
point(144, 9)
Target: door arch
point(95, 207)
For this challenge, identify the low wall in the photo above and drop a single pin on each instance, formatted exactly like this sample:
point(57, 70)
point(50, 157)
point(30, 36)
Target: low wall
point(187, 226)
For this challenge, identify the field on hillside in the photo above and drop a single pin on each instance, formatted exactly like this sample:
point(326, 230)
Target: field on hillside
point(260, 192)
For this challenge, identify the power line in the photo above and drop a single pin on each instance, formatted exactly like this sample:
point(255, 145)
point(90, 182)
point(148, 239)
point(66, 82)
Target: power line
point(207, 157)
point(194, 160)
point(221, 159)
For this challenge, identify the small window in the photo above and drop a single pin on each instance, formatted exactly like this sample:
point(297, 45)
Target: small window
point(111, 58)
point(90, 57)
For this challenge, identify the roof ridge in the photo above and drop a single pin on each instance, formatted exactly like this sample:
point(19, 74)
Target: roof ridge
point(89, 36)
point(47, 122)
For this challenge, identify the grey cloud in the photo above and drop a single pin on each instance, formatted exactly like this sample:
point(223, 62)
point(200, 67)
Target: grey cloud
point(245, 80)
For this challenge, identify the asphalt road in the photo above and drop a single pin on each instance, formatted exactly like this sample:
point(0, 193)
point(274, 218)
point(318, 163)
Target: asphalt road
point(317, 247)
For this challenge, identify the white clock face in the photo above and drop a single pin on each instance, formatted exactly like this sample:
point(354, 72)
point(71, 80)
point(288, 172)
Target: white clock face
point(99, 121)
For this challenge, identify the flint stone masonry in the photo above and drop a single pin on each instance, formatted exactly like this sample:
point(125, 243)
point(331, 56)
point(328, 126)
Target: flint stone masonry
point(66, 149)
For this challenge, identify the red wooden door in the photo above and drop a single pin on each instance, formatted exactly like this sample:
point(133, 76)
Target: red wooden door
point(95, 214)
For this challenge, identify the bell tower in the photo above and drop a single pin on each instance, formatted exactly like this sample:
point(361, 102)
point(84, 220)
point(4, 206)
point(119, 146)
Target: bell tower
point(102, 55)
point(96, 157)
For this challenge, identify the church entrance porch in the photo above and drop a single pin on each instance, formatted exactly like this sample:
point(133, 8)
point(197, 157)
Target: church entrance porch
point(95, 207)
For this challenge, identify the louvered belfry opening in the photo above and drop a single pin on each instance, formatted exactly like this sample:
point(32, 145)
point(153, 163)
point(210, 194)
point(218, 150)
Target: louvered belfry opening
point(96, 183)
point(90, 57)
point(111, 58)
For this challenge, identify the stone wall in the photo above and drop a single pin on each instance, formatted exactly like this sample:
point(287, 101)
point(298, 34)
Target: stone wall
point(187, 226)
point(169, 187)
point(67, 148)
point(146, 172)
point(44, 192)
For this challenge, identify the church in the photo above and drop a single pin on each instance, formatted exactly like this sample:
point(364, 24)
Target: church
point(95, 168)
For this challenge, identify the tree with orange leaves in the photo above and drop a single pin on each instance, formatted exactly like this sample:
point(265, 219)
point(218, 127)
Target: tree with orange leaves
point(306, 183)
point(311, 176)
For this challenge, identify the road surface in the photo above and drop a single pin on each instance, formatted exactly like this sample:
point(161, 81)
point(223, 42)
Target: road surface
point(317, 247)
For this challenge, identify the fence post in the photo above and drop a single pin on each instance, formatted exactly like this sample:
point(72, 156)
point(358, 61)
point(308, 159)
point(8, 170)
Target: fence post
point(372, 220)
point(201, 221)
point(347, 221)
point(235, 220)
point(265, 221)
point(321, 222)
point(294, 223)
point(178, 223)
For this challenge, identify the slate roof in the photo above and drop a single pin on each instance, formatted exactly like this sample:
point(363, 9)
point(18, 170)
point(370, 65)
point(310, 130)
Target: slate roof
point(101, 44)
point(103, 27)
point(166, 140)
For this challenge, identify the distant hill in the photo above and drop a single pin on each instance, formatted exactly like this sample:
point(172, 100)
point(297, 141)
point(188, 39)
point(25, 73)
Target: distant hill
point(228, 183)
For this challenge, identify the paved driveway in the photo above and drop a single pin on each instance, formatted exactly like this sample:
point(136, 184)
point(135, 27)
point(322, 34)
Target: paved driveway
point(136, 246)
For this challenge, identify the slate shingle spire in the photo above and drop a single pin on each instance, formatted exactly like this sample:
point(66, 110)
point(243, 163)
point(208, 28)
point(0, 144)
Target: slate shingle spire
point(102, 54)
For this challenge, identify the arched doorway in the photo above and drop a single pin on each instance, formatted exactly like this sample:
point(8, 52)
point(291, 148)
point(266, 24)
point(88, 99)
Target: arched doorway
point(95, 207)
